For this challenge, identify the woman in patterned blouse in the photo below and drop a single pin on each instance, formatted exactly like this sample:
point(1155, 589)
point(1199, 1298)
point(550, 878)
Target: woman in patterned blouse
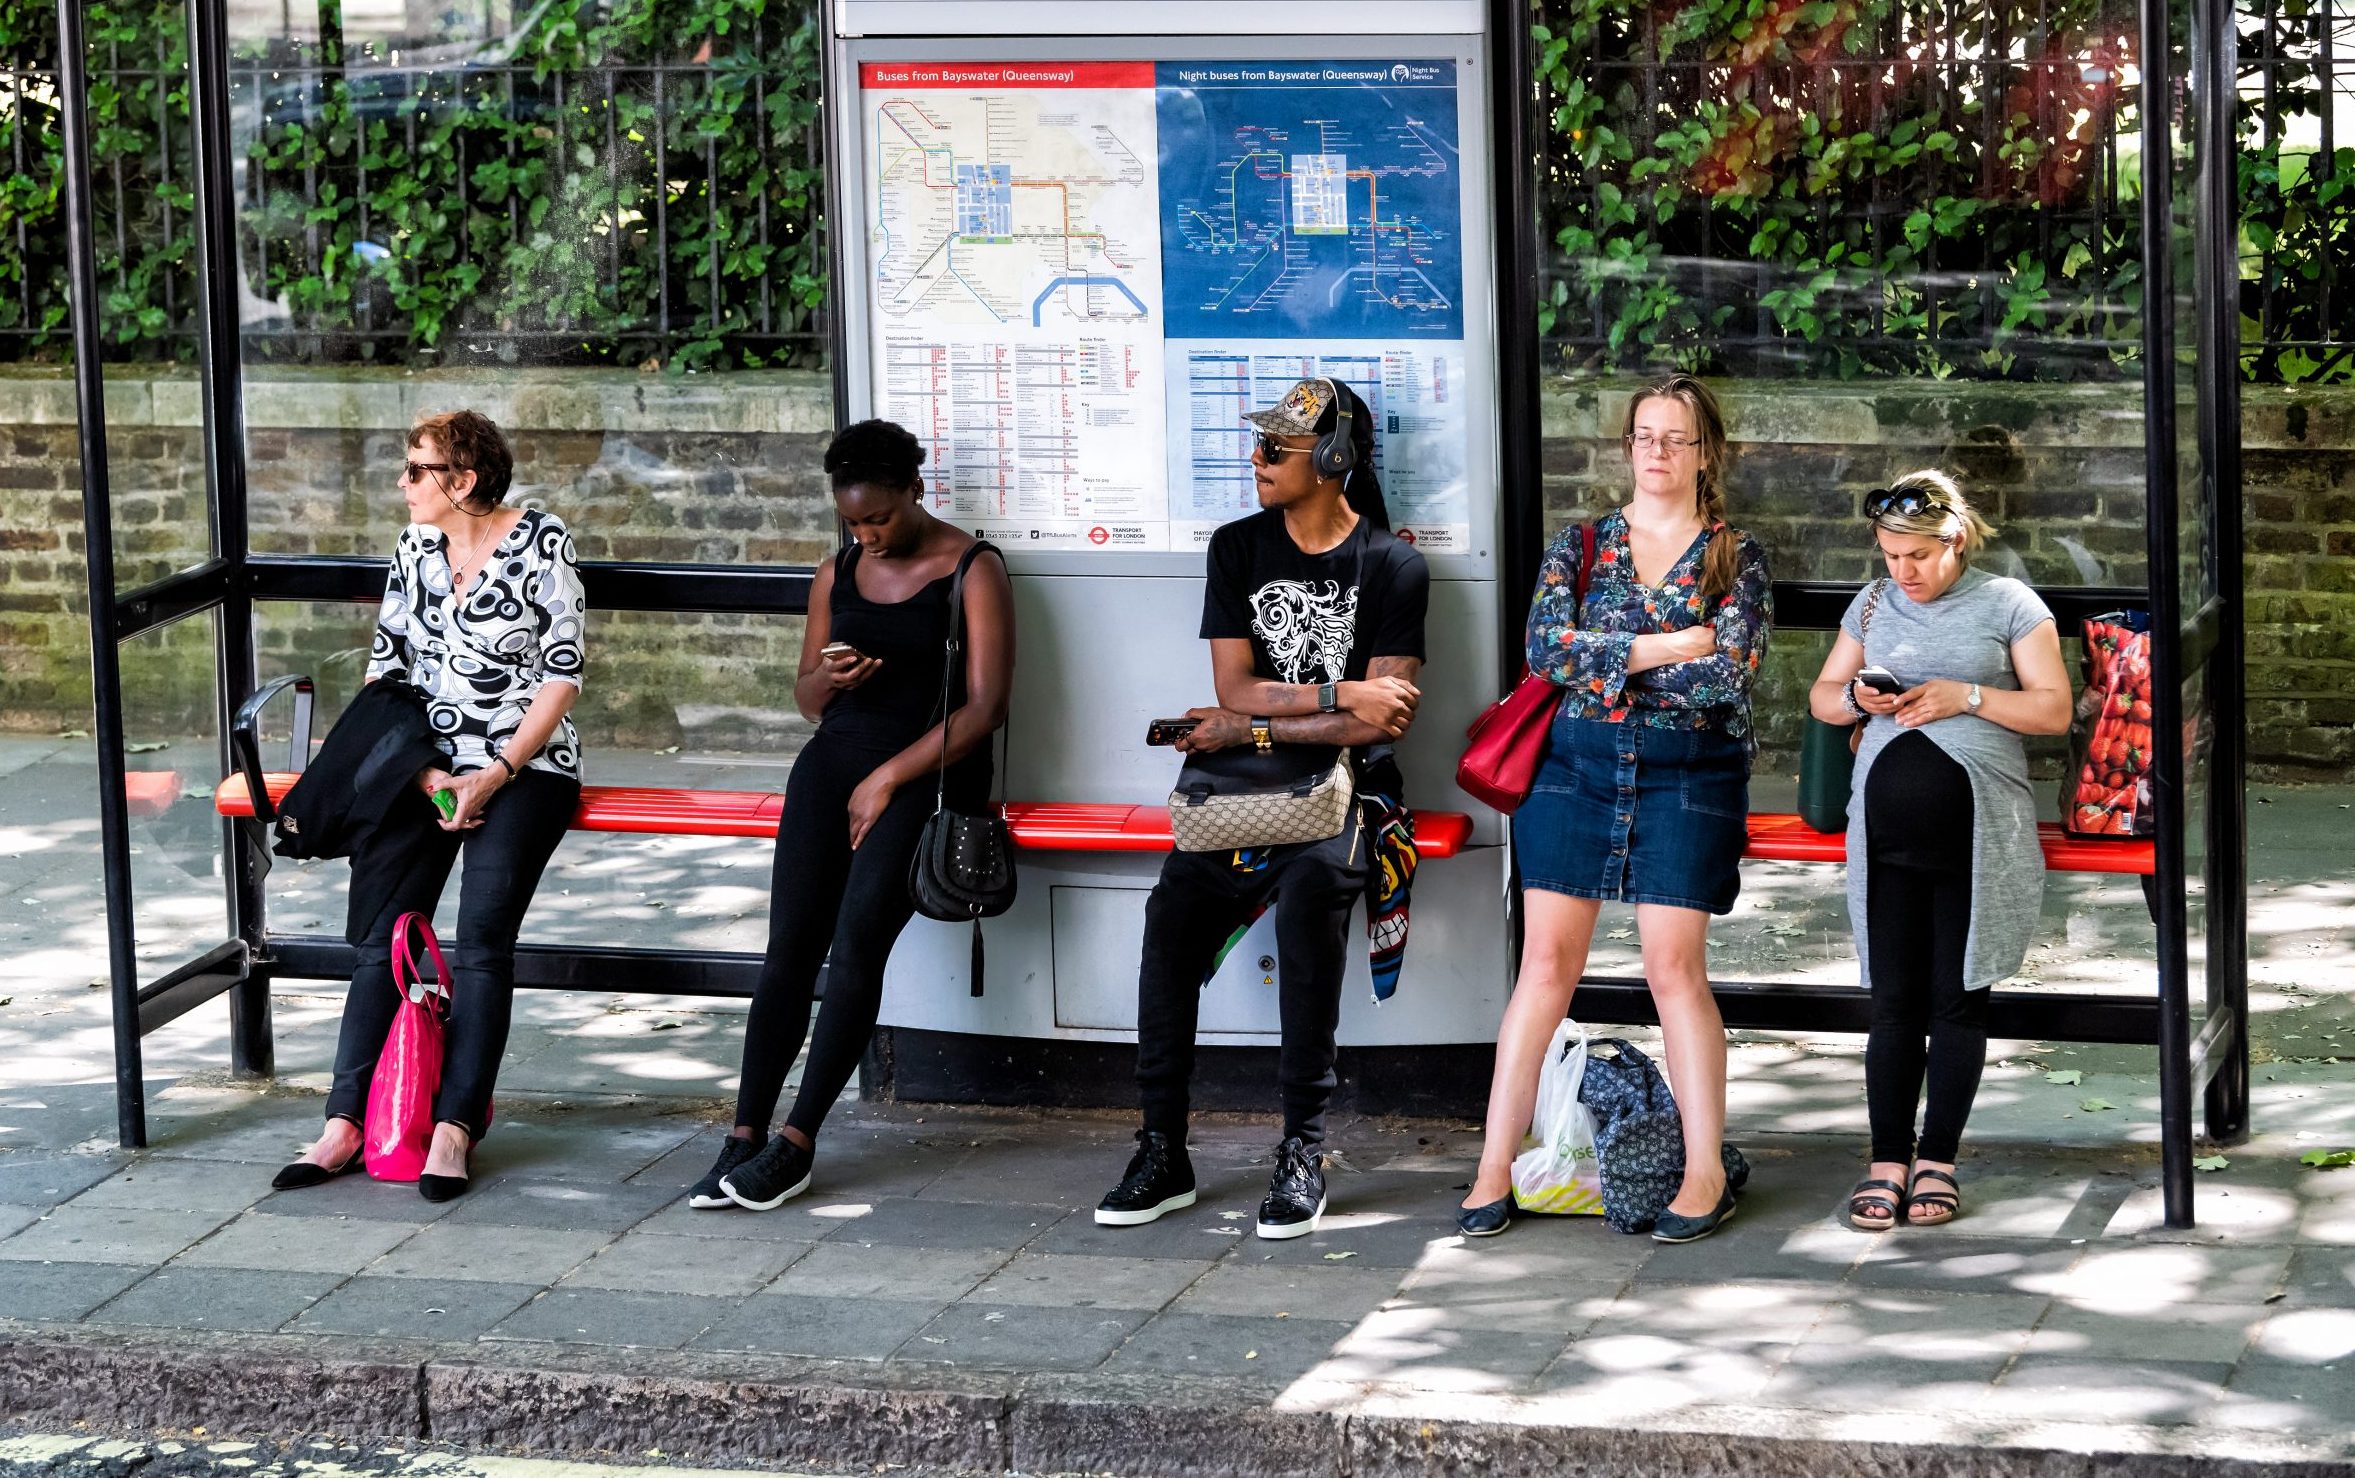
point(483, 614)
point(1644, 792)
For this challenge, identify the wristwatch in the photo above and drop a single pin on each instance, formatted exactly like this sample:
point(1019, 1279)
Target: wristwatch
point(1328, 697)
point(1263, 735)
point(1971, 699)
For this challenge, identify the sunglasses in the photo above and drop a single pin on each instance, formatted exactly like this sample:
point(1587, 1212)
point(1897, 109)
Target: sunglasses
point(1272, 450)
point(415, 471)
point(1905, 503)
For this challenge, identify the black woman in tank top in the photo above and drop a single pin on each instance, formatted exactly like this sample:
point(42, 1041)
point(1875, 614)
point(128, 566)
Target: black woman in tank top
point(860, 792)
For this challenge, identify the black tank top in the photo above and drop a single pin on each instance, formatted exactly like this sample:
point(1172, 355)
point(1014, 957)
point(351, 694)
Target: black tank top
point(1918, 809)
point(890, 710)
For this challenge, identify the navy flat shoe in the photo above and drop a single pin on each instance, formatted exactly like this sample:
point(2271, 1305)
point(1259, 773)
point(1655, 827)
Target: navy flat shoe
point(1488, 1220)
point(1675, 1228)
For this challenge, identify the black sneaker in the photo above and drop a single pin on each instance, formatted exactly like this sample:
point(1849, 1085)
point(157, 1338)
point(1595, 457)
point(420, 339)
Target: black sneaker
point(771, 1178)
point(1295, 1194)
point(707, 1193)
point(1160, 1178)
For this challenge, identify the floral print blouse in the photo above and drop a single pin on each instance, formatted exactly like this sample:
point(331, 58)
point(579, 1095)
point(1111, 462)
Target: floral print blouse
point(481, 657)
point(1586, 651)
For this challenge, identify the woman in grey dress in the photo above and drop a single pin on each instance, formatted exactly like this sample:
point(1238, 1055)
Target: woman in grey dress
point(1945, 877)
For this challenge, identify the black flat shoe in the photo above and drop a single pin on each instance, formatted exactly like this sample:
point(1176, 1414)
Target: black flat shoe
point(302, 1174)
point(1673, 1227)
point(441, 1187)
point(1488, 1220)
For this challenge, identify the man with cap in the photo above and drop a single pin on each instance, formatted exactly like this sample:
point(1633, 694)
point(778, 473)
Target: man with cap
point(1314, 615)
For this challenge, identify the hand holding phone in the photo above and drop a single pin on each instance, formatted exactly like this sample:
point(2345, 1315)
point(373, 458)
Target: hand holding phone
point(1163, 732)
point(1881, 680)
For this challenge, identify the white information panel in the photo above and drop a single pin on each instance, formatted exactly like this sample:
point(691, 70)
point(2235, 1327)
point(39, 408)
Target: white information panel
point(1080, 274)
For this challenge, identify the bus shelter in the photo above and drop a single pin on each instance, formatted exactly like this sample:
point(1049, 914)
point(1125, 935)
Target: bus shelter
point(1161, 95)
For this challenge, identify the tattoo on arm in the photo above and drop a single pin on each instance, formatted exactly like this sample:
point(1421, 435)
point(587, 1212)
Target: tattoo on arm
point(1324, 728)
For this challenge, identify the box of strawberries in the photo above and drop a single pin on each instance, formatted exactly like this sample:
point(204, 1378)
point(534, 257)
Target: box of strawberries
point(2108, 792)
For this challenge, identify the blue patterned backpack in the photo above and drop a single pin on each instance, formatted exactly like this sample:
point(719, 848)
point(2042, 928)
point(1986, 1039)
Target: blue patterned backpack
point(1639, 1137)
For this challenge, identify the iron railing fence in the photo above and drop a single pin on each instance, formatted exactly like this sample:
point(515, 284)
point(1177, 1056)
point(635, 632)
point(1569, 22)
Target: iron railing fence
point(1793, 188)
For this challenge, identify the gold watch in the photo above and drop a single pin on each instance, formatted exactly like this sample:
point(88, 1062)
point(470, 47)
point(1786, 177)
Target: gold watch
point(1263, 735)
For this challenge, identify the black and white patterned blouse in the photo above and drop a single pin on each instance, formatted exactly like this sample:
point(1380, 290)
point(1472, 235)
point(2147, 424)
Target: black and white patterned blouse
point(482, 661)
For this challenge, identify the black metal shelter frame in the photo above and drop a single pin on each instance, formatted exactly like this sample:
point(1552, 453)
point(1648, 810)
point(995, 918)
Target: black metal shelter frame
point(2194, 597)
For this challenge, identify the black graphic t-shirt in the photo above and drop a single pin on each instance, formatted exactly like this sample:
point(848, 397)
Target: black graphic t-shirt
point(1314, 618)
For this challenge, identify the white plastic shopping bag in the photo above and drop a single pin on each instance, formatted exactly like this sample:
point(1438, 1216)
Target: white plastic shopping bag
point(1559, 1174)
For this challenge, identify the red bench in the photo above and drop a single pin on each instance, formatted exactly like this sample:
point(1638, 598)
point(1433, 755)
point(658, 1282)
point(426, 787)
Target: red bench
point(1042, 826)
point(1058, 826)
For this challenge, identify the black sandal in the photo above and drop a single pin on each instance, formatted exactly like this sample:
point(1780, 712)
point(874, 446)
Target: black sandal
point(1858, 1201)
point(1948, 1202)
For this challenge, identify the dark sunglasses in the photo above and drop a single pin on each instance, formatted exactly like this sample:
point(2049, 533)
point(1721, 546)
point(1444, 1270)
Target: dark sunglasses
point(1272, 450)
point(1905, 503)
point(415, 471)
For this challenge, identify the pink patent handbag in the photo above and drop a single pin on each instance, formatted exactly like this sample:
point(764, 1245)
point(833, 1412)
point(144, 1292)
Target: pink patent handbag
point(399, 1127)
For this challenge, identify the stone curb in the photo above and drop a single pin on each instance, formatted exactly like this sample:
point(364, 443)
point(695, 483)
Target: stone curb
point(756, 1411)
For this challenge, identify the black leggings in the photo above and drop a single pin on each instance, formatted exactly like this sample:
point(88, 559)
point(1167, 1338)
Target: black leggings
point(1918, 921)
point(834, 909)
point(411, 856)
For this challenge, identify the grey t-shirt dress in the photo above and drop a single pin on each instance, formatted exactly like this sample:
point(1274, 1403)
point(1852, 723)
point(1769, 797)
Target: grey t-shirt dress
point(1966, 634)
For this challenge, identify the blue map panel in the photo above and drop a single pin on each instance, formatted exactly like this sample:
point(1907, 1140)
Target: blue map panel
point(1310, 199)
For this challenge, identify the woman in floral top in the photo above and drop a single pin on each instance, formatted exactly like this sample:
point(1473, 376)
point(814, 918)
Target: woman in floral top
point(1644, 792)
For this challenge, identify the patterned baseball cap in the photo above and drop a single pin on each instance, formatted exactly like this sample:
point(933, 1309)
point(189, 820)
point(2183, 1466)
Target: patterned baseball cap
point(1297, 413)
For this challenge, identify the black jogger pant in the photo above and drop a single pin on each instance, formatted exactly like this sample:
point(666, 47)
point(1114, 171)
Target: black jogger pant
point(1198, 904)
point(1917, 922)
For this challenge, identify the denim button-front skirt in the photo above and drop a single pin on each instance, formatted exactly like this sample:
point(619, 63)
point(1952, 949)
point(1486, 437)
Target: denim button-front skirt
point(1636, 814)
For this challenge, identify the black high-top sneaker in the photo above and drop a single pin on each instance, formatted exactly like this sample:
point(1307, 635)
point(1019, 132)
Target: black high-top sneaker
point(1160, 1178)
point(771, 1178)
point(1295, 1193)
point(707, 1195)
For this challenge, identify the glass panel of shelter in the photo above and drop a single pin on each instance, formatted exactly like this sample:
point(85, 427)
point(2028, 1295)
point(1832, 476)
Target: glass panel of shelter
point(548, 253)
point(1850, 291)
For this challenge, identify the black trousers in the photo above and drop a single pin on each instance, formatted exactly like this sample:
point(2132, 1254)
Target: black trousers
point(838, 910)
point(1198, 904)
point(406, 861)
point(1918, 921)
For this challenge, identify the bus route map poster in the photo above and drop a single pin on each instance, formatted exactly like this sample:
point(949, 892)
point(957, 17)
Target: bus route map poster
point(1081, 274)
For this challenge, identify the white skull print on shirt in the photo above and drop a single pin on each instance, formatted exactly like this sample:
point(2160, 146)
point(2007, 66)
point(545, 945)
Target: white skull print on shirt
point(1307, 628)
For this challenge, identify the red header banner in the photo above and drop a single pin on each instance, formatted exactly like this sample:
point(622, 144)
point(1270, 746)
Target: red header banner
point(1007, 74)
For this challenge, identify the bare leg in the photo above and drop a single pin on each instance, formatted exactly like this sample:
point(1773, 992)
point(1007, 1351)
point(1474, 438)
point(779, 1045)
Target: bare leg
point(450, 1149)
point(336, 1145)
point(1676, 967)
point(1556, 933)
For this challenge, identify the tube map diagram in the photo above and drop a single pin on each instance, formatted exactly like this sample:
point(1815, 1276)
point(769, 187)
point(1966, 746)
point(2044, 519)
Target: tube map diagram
point(1074, 268)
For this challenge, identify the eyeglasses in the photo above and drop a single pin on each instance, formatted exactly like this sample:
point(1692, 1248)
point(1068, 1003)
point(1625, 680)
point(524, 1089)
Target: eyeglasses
point(1644, 441)
point(1905, 502)
point(415, 471)
point(1272, 450)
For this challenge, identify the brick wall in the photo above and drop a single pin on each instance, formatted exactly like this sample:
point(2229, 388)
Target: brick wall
point(726, 470)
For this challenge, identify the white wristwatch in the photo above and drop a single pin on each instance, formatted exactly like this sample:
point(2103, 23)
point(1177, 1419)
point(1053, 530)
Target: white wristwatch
point(1971, 699)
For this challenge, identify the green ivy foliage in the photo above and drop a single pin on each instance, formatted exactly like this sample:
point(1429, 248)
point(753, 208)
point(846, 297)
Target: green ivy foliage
point(1773, 187)
point(616, 180)
point(1901, 187)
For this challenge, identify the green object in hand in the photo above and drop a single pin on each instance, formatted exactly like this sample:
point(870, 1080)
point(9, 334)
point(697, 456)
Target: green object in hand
point(446, 802)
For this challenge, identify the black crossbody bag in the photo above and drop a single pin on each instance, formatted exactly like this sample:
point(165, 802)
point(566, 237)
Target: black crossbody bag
point(964, 864)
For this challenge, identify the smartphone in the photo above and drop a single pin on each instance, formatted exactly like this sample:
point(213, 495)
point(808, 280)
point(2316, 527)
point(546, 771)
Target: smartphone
point(1167, 731)
point(838, 649)
point(1881, 680)
point(446, 802)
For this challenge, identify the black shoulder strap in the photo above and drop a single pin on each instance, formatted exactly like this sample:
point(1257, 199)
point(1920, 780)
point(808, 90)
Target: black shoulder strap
point(955, 649)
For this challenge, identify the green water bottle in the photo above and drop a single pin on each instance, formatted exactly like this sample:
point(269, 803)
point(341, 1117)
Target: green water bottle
point(1826, 768)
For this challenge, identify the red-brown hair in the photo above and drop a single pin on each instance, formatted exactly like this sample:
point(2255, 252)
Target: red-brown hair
point(472, 442)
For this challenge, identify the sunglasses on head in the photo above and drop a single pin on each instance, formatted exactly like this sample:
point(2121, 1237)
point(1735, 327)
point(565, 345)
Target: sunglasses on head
point(1272, 450)
point(1904, 502)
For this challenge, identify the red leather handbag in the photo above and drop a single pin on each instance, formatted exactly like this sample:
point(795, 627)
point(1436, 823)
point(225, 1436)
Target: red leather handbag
point(399, 1127)
point(1507, 742)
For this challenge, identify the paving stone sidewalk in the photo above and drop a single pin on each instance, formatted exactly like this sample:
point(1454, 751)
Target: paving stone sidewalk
point(953, 1251)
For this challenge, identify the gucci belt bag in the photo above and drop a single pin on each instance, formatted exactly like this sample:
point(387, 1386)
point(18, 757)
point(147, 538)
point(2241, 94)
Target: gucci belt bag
point(1229, 799)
